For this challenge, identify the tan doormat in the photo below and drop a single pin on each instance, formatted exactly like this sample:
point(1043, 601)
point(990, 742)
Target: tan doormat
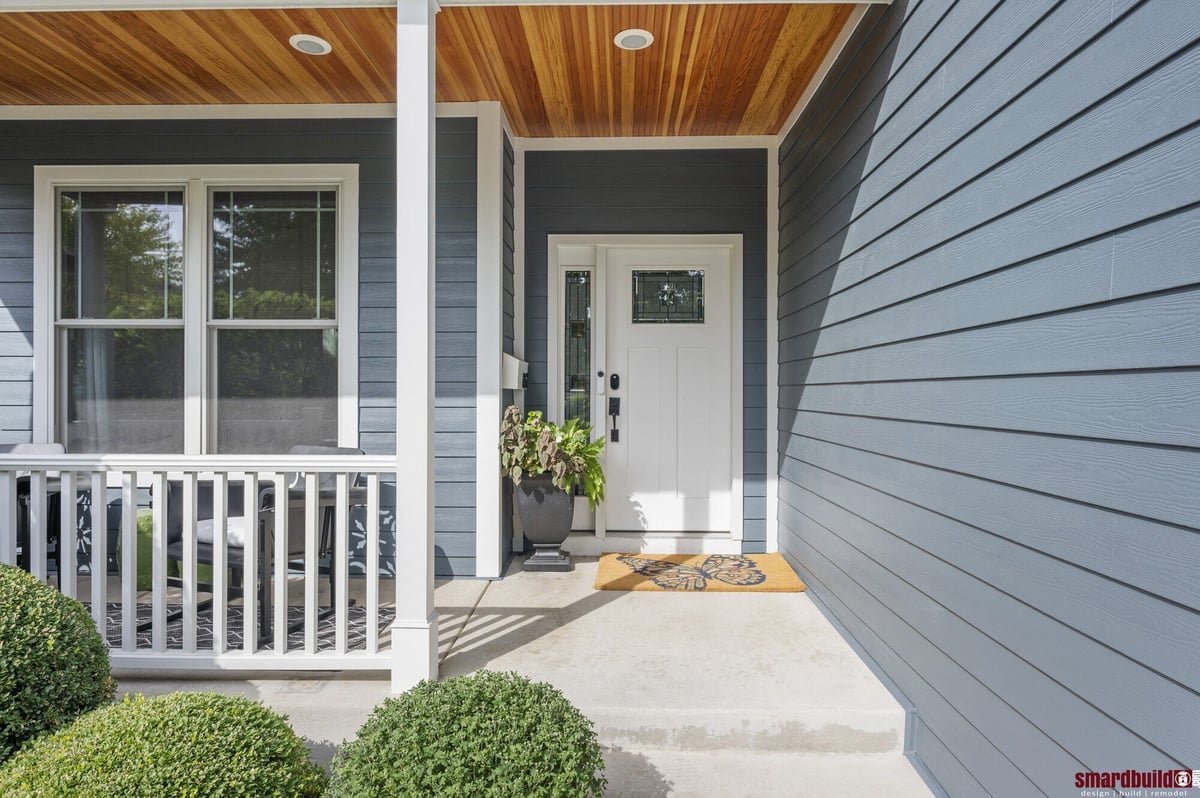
point(708, 573)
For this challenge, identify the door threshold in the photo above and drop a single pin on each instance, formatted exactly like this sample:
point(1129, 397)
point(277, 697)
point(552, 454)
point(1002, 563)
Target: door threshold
point(586, 544)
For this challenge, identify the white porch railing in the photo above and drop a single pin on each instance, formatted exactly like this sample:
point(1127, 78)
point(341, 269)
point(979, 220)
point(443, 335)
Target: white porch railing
point(180, 622)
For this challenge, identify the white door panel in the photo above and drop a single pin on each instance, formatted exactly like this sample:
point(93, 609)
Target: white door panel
point(669, 471)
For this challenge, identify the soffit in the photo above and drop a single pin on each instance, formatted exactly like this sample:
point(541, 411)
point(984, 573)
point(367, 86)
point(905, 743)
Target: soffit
point(712, 70)
point(196, 57)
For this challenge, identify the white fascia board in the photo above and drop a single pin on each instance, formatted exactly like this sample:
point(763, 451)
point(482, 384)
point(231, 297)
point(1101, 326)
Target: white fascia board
point(835, 52)
point(649, 143)
point(236, 111)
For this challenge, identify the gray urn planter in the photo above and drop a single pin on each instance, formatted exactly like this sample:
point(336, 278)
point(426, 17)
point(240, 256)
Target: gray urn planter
point(546, 513)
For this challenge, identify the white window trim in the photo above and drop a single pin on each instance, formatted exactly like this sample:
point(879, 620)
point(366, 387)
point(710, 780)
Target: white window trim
point(197, 180)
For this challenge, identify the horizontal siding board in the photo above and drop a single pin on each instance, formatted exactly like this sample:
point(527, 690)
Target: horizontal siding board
point(1150, 556)
point(1158, 331)
point(461, 567)
point(1147, 183)
point(1154, 482)
point(1149, 257)
point(1139, 406)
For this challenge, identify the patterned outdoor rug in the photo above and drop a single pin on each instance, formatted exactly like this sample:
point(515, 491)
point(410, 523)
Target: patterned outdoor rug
point(356, 628)
point(707, 573)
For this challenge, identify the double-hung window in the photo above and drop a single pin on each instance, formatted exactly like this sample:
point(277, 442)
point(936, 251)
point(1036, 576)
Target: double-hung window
point(196, 309)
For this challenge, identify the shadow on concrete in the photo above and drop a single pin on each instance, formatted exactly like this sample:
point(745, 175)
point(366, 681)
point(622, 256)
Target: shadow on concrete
point(490, 632)
point(632, 775)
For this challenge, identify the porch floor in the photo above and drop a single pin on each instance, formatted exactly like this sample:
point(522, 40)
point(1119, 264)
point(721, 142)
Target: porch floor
point(692, 695)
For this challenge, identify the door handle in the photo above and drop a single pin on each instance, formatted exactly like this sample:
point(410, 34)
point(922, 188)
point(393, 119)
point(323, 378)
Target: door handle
point(614, 410)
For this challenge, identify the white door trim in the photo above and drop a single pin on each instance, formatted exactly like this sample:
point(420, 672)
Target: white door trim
point(588, 250)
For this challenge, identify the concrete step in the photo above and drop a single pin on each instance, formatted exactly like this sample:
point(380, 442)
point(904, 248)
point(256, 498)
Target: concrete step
point(652, 773)
point(730, 672)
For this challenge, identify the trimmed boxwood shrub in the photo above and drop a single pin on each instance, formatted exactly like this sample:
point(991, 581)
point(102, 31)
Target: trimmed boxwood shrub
point(53, 664)
point(489, 734)
point(181, 744)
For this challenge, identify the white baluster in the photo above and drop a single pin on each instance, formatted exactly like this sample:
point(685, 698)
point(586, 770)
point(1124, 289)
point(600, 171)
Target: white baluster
point(220, 570)
point(158, 566)
point(67, 532)
point(128, 561)
point(189, 562)
point(37, 525)
point(99, 563)
point(372, 563)
point(8, 517)
point(312, 526)
point(250, 564)
point(281, 563)
point(341, 559)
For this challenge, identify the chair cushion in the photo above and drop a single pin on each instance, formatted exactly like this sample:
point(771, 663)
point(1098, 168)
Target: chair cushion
point(235, 534)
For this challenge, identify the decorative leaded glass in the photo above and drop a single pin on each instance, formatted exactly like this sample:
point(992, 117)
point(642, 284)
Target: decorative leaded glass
point(577, 393)
point(668, 297)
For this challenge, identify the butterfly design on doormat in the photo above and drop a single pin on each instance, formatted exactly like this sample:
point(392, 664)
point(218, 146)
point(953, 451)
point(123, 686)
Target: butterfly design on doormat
point(732, 569)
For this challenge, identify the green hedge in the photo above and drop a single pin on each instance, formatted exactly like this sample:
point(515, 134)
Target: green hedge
point(182, 744)
point(53, 664)
point(489, 734)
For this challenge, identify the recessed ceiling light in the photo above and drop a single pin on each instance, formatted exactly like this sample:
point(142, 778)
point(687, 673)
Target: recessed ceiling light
point(310, 45)
point(634, 39)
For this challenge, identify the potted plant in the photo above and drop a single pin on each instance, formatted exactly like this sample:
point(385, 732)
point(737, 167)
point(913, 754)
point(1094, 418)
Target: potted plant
point(546, 461)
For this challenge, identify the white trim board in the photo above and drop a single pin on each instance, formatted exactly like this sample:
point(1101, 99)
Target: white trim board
point(246, 111)
point(772, 487)
point(195, 180)
point(489, 338)
point(649, 143)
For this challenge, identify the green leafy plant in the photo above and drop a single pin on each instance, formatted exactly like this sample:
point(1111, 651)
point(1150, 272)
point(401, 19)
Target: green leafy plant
point(568, 453)
point(181, 744)
point(53, 664)
point(493, 734)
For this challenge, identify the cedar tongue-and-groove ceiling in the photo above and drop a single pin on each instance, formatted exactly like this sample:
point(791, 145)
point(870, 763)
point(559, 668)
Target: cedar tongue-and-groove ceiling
point(732, 69)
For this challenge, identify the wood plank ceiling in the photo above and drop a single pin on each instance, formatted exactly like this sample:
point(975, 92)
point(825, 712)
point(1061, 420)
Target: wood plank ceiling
point(195, 57)
point(712, 70)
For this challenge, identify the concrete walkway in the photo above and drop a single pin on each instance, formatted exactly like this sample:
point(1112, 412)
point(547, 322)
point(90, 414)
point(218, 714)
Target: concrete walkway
point(723, 694)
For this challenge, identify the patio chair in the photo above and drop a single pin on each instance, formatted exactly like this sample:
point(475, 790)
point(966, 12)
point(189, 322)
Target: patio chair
point(327, 499)
point(53, 508)
point(236, 528)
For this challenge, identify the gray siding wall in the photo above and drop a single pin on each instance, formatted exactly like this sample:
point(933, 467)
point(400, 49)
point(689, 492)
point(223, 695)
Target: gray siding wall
point(369, 143)
point(669, 192)
point(454, 390)
point(989, 355)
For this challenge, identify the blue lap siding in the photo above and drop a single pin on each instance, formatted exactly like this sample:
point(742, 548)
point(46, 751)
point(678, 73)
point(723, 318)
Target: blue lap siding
point(989, 438)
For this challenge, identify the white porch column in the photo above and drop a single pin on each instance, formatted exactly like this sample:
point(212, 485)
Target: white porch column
point(414, 633)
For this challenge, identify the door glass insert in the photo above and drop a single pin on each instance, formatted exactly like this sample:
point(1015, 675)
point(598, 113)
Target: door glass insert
point(668, 297)
point(577, 335)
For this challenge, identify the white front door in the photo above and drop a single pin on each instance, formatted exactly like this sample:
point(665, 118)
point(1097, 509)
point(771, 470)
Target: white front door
point(667, 360)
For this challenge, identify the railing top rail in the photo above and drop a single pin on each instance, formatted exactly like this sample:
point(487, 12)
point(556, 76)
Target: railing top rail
point(205, 462)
